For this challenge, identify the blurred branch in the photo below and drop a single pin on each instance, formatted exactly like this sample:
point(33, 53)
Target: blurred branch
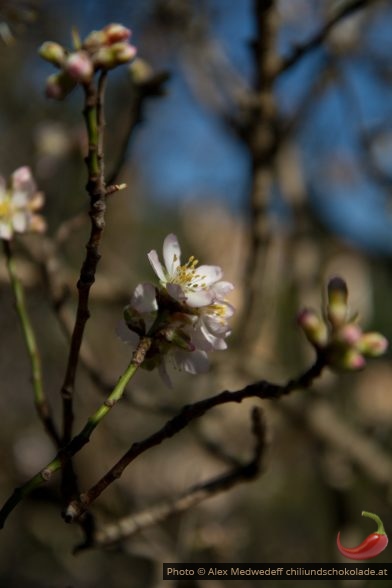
point(145, 85)
point(314, 42)
point(262, 389)
point(242, 472)
point(262, 140)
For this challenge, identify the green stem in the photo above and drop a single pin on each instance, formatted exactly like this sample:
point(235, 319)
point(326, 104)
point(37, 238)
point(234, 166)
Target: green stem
point(80, 440)
point(40, 400)
point(380, 526)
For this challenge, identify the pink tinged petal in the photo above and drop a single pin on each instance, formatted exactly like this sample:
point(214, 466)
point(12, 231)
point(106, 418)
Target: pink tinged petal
point(199, 298)
point(126, 335)
point(209, 274)
point(22, 180)
point(176, 292)
point(144, 298)
point(171, 254)
point(193, 362)
point(5, 230)
point(156, 265)
point(19, 221)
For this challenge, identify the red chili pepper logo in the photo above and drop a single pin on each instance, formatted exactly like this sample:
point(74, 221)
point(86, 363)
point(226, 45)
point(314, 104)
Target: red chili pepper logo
point(371, 546)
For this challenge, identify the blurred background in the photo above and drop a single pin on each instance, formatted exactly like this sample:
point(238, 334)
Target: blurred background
point(261, 134)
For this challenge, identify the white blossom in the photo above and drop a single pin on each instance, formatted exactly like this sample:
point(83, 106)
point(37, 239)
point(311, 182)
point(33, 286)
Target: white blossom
point(187, 316)
point(19, 203)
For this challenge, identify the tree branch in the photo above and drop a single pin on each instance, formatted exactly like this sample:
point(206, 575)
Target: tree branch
point(242, 472)
point(262, 389)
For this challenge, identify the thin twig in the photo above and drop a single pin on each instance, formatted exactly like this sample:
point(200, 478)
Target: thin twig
point(262, 389)
point(93, 114)
point(301, 50)
point(150, 87)
point(242, 472)
point(65, 454)
point(40, 400)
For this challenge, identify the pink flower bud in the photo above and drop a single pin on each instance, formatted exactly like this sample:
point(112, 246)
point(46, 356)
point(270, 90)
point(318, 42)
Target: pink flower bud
point(314, 328)
point(350, 360)
point(372, 344)
point(79, 67)
point(349, 334)
point(59, 85)
point(115, 33)
point(52, 52)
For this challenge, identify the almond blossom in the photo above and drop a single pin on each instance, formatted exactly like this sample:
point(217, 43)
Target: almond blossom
point(19, 203)
point(187, 315)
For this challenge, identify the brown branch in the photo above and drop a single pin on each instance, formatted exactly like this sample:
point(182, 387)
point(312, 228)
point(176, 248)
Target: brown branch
point(97, 193)
point(242, 472)
point(262, 138)
point(262, 389)
point(301, 50)
point(149, 86)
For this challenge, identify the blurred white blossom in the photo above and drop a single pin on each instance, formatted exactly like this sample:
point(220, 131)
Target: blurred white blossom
point(19, 203)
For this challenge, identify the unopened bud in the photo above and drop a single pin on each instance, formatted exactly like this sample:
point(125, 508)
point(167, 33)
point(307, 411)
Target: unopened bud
point(314, 328)
point(351, 360)
point(124, 52)
point(94, 40)
point(337, 301)
point(59, 85)
point(372, 344)
point(52, 52)
point(349, 335)
point(141, 71)
point(79, 67)
point(115, 33)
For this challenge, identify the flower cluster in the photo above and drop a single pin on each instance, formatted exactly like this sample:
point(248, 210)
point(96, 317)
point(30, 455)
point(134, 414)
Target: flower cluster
point(19, 203)
point(100, 50)
point(338, 336)
point(186, 315)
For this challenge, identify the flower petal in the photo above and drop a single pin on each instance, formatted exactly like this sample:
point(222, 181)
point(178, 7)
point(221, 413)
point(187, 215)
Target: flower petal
point(162, 369)
point(192, 362)
point(171, 254)
point(22, 181)
point(19, 221)
point(198, 298)
point(156, 265)
point(144, 298)
point(209, 274)
point(126, 335)
point(176, 292)
point(221, 289)
point(5, 230)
